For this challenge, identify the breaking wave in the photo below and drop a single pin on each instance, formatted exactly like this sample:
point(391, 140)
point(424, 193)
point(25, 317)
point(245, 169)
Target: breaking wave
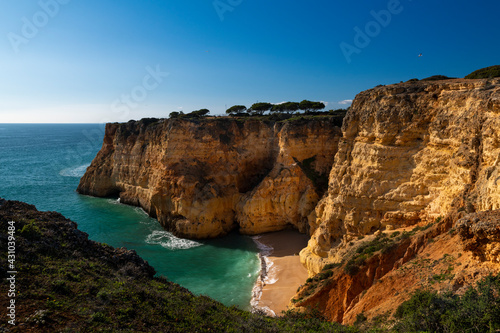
point(169, 241)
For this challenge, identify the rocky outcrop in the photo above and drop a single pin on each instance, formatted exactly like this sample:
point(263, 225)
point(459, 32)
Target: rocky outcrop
point(409, 153)
point(480, 234)
point(202, 178)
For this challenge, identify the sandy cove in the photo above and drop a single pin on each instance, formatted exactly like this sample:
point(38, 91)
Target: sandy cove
point(282, 272)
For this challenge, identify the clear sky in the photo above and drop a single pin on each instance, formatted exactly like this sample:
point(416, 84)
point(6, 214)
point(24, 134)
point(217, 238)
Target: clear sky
point(109, 60)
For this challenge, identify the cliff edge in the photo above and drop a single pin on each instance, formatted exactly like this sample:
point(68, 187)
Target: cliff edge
point(409, 154)
point(412, 202)
point(202, 178)
point(388, 199)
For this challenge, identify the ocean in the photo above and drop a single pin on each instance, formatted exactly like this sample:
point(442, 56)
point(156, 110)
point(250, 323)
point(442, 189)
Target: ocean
point(41, 164)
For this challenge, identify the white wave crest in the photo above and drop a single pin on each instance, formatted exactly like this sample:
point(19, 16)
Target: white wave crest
point(169, 241)
point(264, 249)
point(271, 274)
point(78, 171)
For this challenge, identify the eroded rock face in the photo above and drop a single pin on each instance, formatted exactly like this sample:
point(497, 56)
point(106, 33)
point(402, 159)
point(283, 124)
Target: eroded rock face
point(409, 153)
point(203, 178)
point(480, 234)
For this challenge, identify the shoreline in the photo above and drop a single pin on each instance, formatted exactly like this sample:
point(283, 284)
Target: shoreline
point(281, 271)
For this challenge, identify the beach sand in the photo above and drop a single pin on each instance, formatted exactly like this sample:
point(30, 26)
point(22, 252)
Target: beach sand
point(285, 273)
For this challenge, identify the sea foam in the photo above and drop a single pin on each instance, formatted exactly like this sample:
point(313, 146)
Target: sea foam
point(78, 171)
point(169, 241)
point(268, 275)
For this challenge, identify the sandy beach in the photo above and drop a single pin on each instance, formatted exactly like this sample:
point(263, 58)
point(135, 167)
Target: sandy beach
point(285, 273)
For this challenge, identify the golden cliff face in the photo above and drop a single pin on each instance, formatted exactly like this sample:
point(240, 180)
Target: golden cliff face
point(203, 178)
point(409, 153)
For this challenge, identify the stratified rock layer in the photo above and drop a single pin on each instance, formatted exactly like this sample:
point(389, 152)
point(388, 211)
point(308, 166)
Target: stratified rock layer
point(409, 153)
point(203, 178)
point(480, 234)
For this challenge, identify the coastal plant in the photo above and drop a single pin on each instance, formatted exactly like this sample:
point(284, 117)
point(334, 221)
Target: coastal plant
point(366, 250)
point(478, 310)
point(485, 73)
point(394, 234)
point(30, 230)
point(331, 266)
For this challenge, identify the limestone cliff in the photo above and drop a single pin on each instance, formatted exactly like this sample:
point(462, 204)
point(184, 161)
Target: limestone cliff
point(409, 153)
point(202, 178)
point(418, 153)
point(382, 271)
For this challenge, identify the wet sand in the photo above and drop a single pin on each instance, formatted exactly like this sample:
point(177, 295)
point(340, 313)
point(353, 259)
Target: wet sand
point(285, 272)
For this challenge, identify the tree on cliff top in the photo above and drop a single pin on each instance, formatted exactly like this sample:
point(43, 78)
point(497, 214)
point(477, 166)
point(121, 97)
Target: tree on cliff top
point(197, 113)
point(236, 109)
point(260, 108)
point(176, 114)
point(309, 106)
point(285, 107)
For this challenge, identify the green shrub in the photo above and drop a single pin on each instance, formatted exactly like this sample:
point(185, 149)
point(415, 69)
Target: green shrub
point(99, 317)
point(437, 78)
point(30, 230)
point(485, 73)
point(331, 266)
point(366, 250)
point(478, 310)
point(360, 318)
point(325, 275)
point(60, 287)
point(395, 234)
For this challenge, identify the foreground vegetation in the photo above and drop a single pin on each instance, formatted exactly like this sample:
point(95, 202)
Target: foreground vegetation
point(71, 284)
point(67, 283)
point(478, 310)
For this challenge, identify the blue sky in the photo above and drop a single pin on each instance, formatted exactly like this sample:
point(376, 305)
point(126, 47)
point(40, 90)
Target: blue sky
point(102, 60)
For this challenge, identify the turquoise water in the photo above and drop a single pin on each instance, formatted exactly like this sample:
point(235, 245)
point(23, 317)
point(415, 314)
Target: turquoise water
point(41, 164)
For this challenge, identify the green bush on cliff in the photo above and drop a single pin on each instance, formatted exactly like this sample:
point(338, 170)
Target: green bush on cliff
point(485, 73)
point(478, 310)
point(437, 78)
point(366, 250)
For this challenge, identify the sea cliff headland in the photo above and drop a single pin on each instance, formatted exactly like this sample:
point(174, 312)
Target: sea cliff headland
point(203, 178)
point(409, 163)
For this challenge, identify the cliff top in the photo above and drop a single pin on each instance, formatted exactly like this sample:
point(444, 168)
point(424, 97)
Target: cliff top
point(438, 81)
point(335, 116)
